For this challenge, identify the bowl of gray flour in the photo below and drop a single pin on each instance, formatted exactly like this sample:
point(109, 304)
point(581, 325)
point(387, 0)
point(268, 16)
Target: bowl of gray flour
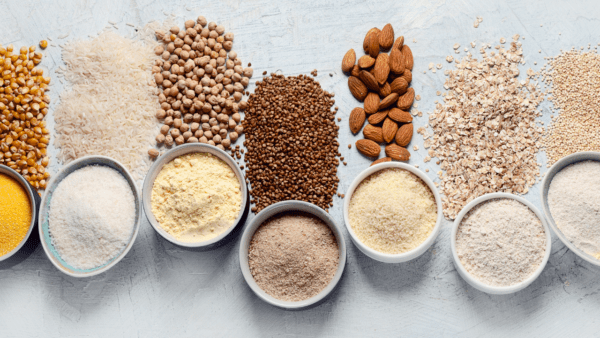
point(571, 202)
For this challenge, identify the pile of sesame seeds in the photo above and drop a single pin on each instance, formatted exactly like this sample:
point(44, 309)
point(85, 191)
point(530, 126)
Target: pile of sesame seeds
point(574, 84)
point(485, 134)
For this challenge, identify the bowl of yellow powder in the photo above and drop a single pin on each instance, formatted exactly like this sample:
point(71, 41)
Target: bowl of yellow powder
point(393, 212)
point(17, 211)
point(194, 195)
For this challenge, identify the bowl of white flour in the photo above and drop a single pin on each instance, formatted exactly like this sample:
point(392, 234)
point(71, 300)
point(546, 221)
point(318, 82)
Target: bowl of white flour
point(571, 202)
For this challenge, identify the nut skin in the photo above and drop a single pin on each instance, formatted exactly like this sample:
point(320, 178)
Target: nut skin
point(368, 148)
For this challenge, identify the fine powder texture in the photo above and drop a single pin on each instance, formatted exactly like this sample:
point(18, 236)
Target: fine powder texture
point(501, 242)
point(196, 197)
point(91, 217)
point(574, 201)
point(293, 256)
point(392, 211)
point(15, 214)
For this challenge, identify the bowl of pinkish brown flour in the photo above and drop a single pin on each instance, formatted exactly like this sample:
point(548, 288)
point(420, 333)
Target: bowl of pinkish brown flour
point(500, 243)
point(292, 254)
point(571, 201)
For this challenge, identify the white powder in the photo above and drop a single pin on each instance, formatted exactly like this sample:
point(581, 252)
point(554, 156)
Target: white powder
point(501, 242)
point(574, 202)
point(92, 216)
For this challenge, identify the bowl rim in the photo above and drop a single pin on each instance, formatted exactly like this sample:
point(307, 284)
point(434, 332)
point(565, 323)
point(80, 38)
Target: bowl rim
point(281, 208)
point(470, 279)
point(557, 167)
point(405, 256)
point(93, 160)
point(24, 184)
point(169, 156)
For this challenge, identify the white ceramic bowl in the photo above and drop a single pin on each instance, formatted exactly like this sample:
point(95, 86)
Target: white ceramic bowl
point(281, 208)
point(168, 157)
point(32, 202)
point(51, 252)
point(402, 257)
point(558, 166)
point(474, 282)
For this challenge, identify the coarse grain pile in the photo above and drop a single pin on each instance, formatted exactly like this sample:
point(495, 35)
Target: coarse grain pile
point(202, 83)
point(484, 134)
point(23, 105)
point(575, 82)
point(110, 106)
point(382, 81)
point(291, 142)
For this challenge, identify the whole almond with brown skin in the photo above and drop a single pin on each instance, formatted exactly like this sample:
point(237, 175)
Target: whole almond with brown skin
point(408, 57)
point(371, 103)
point(399, 43)
point(405, 101)
point(367, 38)
point(348, 61)
point(400, 116)
point(399, 86)
point(357, 88)
point(355, 70)
point(386, 37)
point(389, 130)
point(366, 61)
point(385, 90)
point(357, 119)
point(374, 44)
point(382, 68)
point(373, 133)
point(381, 160)
point(378, 117)
point(407, 75)
point(388, 101)
point(396, 152)
point(404, 134)
point(369, 80)
point(368, 148)
point(396, 61)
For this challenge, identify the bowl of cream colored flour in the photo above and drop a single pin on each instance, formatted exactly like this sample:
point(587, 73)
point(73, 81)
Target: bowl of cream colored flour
point(500, 243)
point(571, 201)
point(89, 216)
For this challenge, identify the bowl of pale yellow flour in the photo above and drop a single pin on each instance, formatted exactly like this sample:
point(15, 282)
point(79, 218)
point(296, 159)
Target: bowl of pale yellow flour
point(194, 195)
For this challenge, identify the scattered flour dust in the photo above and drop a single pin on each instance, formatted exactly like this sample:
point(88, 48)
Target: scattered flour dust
point(92, 216)
point(574, 201)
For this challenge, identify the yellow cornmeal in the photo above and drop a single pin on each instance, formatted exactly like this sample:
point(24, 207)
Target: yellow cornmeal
point(392, 211)
point(15, 214)
point(196, 197)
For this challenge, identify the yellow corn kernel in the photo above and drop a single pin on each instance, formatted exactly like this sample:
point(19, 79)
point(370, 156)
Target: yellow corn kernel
point(43, 44)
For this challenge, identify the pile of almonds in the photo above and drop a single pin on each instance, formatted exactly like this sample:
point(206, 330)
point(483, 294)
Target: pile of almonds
point(202, 83)
point(382, 81)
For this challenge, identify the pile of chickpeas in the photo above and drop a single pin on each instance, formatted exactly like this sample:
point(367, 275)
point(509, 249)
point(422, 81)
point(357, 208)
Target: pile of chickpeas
point(23, 104)
point(202, 84)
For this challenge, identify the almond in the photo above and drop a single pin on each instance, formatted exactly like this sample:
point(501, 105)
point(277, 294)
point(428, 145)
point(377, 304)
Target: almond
point(355, 71)
point(388, 101)
point(385, 90)
point(367, 38)
point(357, 88)
point(369, 80)
point(407, 75)
point(399, 86)
point(396, 152)
point(400, 115)
point(374, 44)
point(373, 133)
point(381, 160)
point(405, 101)
point(386, 37)
point(366, 61)
point(368, 148)
point(348, 61)
point(399, 43)
point(357, 119)
point(371, 103)
point(378, 117)
point(397, 64)
point(404, 134)
point(382, 68)
point(389, 130)
point(408, 57)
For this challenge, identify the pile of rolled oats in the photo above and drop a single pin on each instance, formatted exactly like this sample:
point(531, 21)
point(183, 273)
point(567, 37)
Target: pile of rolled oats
point(485, 134)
